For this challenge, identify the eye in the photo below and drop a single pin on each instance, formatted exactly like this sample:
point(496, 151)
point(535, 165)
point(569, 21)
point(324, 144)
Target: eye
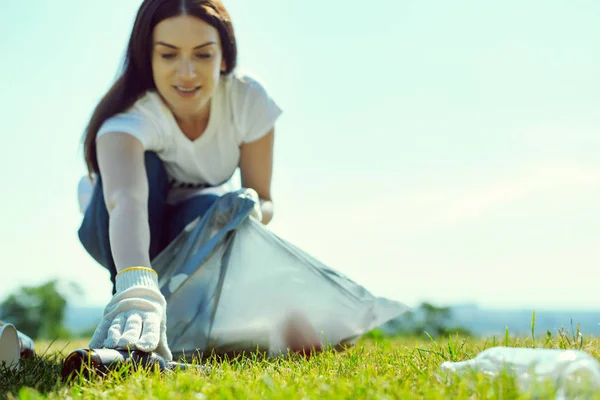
point(168, 56)
point(204, 55)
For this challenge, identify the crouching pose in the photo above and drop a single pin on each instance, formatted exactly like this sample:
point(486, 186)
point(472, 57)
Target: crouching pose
point(160, 147)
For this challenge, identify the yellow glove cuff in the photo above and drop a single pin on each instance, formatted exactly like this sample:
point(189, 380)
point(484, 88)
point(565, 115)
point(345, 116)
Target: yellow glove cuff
point(138, 269)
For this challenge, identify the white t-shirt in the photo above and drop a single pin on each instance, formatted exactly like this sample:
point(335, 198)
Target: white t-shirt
point(241, 112)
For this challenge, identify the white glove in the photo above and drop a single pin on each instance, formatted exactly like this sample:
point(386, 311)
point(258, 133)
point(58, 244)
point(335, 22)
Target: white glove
point(135, 318)
point(257, 211)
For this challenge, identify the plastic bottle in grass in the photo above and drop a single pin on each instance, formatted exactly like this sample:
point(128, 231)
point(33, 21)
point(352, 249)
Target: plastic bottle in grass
point(572, 372)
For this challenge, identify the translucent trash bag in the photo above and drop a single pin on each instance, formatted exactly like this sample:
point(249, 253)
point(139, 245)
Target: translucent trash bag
point(234, 286)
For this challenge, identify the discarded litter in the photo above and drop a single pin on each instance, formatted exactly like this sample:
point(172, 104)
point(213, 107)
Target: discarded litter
point(574, 373)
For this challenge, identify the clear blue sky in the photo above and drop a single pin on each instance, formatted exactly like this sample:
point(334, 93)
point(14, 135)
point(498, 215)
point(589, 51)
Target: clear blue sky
point(431, 150)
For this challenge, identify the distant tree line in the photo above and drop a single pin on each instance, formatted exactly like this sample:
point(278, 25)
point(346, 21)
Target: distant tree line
point(39, 311)
point(426, 319)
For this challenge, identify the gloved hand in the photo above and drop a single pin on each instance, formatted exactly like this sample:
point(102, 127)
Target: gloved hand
point(135, 318)
point(257, 211)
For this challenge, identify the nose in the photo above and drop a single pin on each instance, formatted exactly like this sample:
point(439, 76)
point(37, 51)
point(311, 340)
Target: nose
point(186, 69)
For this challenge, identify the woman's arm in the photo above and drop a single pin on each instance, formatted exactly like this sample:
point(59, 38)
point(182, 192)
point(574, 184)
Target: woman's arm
point(136, 315)
point(125, 184)
point(256, 168)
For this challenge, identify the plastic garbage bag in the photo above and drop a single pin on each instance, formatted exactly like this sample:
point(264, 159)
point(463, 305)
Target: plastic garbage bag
point(574, 373)
point(234, 286)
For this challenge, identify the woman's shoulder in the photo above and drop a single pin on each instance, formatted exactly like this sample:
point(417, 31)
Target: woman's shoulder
point(242, 83)
point(253, 108)
point(150, 105)
point(146, 119)
point(150, 110)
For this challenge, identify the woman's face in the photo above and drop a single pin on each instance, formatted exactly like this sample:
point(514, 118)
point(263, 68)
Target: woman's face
point(187, 61)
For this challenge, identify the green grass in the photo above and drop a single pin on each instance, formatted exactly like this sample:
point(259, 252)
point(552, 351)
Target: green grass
point(376, 368)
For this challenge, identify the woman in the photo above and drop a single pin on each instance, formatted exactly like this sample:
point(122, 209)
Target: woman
point(179, 119)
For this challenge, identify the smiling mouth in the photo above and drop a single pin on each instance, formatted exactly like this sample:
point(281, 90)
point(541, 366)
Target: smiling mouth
point(187, 91)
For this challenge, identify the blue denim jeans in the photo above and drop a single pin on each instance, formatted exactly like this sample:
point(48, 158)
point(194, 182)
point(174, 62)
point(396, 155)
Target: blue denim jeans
point(166, 221)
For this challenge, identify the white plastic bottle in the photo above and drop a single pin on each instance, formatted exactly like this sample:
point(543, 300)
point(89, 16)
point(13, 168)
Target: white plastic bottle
point(573, 372)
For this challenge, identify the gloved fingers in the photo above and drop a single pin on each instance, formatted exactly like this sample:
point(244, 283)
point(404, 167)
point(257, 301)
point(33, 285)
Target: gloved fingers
point(131, 332)
point(163, 350)
point(114, 332)
point(257, 215)
point(100, 334)
point(150, 333)
point(251, 193)
point(256, 212)
point(163, 344)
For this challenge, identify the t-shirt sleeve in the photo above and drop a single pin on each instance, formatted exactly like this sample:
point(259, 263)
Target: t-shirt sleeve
point(134, 124)
point(256, 111)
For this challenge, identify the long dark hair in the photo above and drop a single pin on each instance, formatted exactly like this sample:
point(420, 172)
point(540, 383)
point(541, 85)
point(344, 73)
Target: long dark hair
point(136, 76)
